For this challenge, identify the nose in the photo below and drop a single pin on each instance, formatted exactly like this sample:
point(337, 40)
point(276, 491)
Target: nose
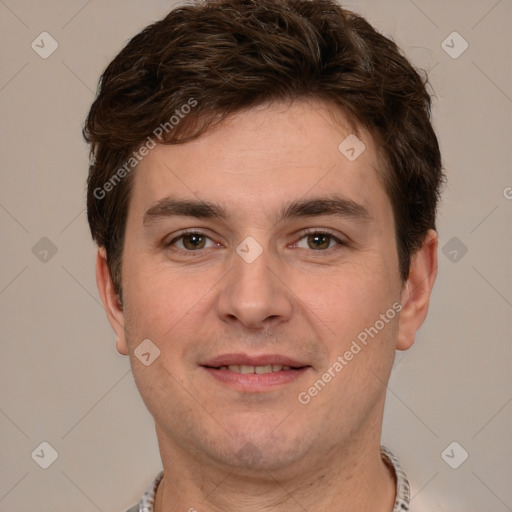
point(254, 294)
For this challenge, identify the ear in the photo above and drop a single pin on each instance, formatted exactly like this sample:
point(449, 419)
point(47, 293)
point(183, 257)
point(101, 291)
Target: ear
point(416, 290)
point(110, 300)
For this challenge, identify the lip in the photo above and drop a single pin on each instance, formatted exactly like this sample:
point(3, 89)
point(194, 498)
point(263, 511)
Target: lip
point(253, 360)
point(252, 382)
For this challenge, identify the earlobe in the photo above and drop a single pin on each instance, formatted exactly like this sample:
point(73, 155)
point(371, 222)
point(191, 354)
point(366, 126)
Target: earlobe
point(417, 290)
point(110, 300)
point(121, 346)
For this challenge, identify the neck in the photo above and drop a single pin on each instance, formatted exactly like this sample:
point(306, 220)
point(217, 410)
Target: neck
point(346, 479)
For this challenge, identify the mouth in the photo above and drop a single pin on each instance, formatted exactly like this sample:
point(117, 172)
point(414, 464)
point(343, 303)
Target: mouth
point(259, 370)
point(254, 373)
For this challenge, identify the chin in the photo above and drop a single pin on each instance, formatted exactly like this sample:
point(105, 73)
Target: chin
point(261, 451)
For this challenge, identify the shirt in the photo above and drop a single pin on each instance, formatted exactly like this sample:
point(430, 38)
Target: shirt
point(147, 502)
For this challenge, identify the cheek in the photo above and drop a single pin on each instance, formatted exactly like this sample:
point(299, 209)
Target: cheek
point(155, 298)
point(349, 299)
point(358, 324)
point(171, 307)
point(156, 311)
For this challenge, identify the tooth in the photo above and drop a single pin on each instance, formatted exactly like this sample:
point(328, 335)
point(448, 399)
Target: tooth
point(260, 370)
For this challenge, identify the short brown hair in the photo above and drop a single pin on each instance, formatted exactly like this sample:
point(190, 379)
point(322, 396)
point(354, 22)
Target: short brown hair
point(231, 55)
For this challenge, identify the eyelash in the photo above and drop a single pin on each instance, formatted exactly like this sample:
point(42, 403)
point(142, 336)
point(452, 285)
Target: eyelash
point(311, 231)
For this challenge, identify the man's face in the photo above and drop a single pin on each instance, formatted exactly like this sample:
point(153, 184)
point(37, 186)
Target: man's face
point(278, 282)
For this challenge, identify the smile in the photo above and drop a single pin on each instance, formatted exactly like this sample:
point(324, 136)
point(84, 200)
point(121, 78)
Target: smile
point(260, 370)
point(254, 373)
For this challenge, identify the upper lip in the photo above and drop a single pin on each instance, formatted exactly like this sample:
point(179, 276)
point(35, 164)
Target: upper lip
point(252, 360)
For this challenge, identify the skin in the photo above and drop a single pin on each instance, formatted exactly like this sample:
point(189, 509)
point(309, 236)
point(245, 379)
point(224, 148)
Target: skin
point(227, 449)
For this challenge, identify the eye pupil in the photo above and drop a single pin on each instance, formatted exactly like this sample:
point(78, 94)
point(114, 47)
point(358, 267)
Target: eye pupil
point(318, 241)
point(193, 241)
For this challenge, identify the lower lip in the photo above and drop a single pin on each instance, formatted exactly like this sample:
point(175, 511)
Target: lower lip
point(253, 382)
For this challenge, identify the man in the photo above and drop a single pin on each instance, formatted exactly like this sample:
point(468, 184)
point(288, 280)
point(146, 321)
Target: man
point(263, 186)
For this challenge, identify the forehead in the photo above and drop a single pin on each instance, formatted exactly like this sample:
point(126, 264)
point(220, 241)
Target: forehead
point(264, 156)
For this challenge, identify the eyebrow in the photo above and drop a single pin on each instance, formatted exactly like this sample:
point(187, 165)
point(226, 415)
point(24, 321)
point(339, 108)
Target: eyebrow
point(316, 207)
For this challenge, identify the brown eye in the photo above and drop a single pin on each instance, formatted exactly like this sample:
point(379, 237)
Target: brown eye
point(319, 241)
point(193, 241)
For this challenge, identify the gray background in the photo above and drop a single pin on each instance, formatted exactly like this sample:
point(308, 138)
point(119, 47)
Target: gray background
point(62, 380)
